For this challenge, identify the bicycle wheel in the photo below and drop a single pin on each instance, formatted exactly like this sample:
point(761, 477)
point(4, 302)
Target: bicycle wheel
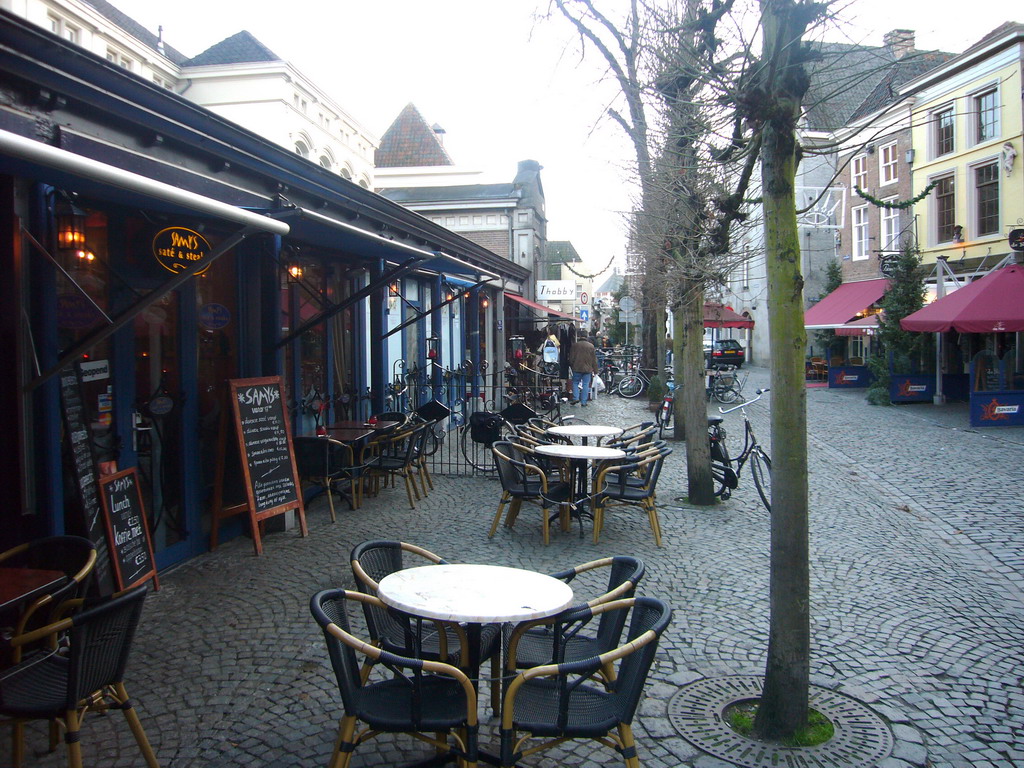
point(721, 469)
point(631, 385)
point(727, 395)
point(664, 417)
point(761, 469)
point(478, 455)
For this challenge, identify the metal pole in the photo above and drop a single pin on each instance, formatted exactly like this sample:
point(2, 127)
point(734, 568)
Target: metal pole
point(940, 290)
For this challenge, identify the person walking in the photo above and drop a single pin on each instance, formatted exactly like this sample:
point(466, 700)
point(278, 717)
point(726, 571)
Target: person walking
point(583, 361)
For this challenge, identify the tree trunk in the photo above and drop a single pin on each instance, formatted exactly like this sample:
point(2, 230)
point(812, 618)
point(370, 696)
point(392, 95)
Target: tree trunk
point(784, 703)
point(690, 402)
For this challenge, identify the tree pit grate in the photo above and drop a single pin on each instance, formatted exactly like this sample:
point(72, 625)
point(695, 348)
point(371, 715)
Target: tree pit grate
point(862, 739)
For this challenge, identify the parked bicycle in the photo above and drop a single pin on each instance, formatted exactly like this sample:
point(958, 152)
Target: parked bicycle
point(725, 384)
point(726, 470)
point(663, 418)
point(636, 381)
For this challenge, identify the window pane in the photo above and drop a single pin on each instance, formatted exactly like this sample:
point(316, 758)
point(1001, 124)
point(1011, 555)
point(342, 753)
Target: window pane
point(944, 132)
point(945, 209)
point(985, 106)
point(986, 180)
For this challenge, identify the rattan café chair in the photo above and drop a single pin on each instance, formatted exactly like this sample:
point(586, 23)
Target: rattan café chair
point(556, 702)
point(426, 699)
point(548, 642)
point(63, 687)
point(525, 481)
point(394, 631)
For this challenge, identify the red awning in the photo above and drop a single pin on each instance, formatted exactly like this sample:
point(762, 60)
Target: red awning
point(721, 316)
point(539, 307)
point(866, 326)
point(992, 304)
point(842, 305)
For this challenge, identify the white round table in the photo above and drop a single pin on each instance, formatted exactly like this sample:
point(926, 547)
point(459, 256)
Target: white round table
point(579, 455)
point(478, 594)
point(585, 431)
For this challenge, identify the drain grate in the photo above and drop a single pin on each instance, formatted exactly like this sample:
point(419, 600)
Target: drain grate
point(861, 740)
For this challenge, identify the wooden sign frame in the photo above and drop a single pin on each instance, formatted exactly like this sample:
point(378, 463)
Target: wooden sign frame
point(140, 528)
point(269, 385)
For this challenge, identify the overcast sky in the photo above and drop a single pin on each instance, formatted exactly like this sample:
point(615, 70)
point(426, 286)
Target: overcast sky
point(505, 86)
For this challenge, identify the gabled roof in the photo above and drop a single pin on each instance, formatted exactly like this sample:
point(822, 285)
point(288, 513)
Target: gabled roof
point(136, 30)
point(409, 143)
point(840, 82)
point(459, 192)
point(902, 71)
point(611, 285)
point(241, 48)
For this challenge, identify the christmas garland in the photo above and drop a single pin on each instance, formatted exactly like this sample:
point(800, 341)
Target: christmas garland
point(568, 266)
point(901, 204)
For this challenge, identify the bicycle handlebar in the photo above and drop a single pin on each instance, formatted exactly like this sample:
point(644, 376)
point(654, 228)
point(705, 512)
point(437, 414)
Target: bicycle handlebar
point(760, 392)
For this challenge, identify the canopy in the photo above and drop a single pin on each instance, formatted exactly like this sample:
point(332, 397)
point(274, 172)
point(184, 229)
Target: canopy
point(992, 304)
point(721, 316)
point(865, 326)
point(539, 307)
point(842, 305)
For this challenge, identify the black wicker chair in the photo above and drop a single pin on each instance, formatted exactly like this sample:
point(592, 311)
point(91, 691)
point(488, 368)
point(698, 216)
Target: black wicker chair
point(426, 699)
point(74, 555)
point(63, 687)
point(546, 643)
point(396, 455)
point(403, 634)
point(556, 701)
point(616, 484)
point(524, 481)
point(326, 462)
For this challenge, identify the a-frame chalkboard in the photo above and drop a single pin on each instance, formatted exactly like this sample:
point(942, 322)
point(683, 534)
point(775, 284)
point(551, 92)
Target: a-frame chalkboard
point(83, 467)
point(128, 539)
point(263, 437)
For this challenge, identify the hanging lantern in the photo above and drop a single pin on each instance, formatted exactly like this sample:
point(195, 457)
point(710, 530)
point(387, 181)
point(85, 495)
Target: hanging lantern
point(70, 227)
point(433, 346)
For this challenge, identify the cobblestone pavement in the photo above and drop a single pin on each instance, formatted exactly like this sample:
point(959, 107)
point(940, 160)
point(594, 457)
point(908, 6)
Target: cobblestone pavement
point(918, 606)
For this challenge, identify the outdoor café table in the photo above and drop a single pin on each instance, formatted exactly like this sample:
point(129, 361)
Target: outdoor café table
point(585, 431)
point(349, 434)
point(474, 595)
point(20, 585)
point(579, 455)
point(362, 425)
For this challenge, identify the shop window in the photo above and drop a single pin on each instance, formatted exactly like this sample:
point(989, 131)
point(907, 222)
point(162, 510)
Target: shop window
point(890, 227)
point(860, 233)
point(985, 116)
point(945, 210)
point(888, 164)
point(986, 199)
point(943, 133)
point(859, 169)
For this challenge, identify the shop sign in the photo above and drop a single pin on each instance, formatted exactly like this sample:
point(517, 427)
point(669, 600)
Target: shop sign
point(1016, 240)
point(75, 312)
point(95, 370)
point(177, 249)
point(214, 316)
point(556, 290)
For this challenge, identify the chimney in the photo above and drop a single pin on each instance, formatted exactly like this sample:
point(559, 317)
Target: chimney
point(900, 42)
point(439, 132)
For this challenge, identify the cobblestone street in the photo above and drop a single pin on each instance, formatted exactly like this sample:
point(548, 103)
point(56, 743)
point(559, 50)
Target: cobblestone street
point(917, 559)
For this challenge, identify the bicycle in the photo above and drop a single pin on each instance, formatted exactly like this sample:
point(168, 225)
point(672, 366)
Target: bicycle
point(663, 417)
point(725, 384)
point(726, 478)
point(636, 382)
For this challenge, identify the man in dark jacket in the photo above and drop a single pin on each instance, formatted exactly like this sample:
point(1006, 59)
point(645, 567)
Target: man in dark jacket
point(583, 361)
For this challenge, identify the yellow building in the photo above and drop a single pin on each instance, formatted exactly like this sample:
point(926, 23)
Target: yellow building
point(967, 143)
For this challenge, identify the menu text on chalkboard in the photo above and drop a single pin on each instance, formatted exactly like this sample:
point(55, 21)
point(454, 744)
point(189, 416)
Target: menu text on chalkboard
point(265, 448)
point(83, 466)
point(127, 530)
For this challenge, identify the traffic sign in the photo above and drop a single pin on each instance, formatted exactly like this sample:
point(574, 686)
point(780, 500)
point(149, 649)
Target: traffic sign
point(583, 297)
point(585, 314)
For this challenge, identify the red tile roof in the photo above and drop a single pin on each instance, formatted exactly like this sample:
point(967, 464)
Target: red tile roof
point(410, 142)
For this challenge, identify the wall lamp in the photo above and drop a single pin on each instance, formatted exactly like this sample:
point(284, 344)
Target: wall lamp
point(394, 292)
point(70, 226)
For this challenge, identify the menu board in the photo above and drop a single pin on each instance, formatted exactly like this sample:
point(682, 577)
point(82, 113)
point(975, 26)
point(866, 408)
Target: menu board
point(83, 467)
point(271, 479)
point(127, 530)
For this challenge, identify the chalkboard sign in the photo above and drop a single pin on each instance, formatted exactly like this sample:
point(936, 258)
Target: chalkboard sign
point(264, 442)
point(83, 467)
point(127, 530)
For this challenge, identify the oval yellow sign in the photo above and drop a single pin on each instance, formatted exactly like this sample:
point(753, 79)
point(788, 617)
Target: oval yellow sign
point(177, 249)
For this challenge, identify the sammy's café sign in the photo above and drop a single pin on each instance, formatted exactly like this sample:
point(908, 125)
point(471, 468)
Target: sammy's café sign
point(556, 290)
